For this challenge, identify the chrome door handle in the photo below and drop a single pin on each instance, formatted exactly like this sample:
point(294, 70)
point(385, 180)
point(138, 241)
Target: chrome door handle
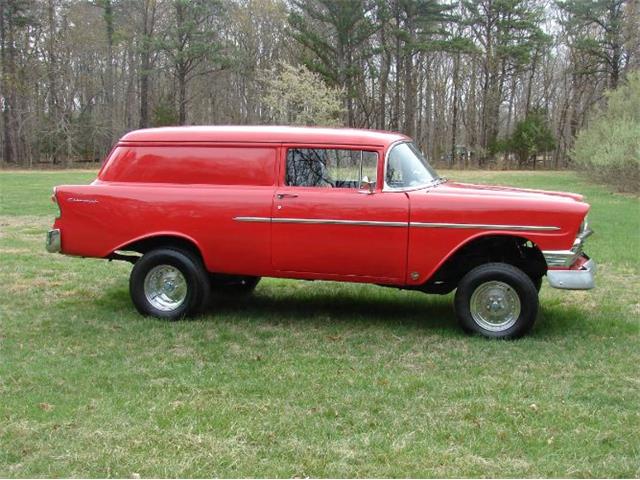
point(280, 196)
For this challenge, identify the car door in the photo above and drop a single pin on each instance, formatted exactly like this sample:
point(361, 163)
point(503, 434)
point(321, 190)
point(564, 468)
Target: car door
point(331, 218)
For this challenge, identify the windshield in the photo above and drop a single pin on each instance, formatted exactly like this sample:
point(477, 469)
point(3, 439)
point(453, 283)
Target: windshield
point(407, 168)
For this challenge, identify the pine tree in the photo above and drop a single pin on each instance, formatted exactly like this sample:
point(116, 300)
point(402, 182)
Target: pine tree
point(596, 29)
point(334, 34)
point(507, 33)
point(190, 41)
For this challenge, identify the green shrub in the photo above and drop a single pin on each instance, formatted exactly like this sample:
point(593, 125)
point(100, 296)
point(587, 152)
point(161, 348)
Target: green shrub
point(608, 150)
point(531, 136)
point(165, 114)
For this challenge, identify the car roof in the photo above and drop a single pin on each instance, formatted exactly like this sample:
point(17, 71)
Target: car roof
point(265, 134)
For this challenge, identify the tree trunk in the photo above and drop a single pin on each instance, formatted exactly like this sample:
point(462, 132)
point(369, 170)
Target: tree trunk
point(181, 66)
point(454, 107)
point(148, 23)
point(420, 89)
point(384, 76)
point(506, 162)
point(52, 97)
point(130, 100)
point(532, 74)
point(108, 94)
point(4, 87)
point(10, 150)
point(410, 98)
point(182, 96)
point(409, 82)
point(615, 22)
point(471, 111)
point(398, 53)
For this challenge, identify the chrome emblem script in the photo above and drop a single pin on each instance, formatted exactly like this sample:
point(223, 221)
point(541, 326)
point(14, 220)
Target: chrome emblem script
point(81, 200)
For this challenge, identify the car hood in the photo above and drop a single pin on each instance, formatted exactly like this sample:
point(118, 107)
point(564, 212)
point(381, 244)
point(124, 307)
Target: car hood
point(456, 188)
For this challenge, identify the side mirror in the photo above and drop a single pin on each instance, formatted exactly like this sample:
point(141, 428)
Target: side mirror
point(367, 186)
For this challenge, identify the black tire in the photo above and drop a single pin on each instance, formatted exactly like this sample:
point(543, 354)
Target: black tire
point(505, 287)
point(233, 286)
point(537, 282)
point(194, 276)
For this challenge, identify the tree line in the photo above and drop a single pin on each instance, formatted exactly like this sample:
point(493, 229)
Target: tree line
point(475, 82)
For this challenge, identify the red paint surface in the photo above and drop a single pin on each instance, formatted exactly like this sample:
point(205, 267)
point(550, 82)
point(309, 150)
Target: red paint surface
point(192, 182)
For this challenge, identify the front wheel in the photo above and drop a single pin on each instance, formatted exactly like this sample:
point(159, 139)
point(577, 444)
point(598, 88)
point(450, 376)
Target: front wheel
point(496, 300)
point(168, 283)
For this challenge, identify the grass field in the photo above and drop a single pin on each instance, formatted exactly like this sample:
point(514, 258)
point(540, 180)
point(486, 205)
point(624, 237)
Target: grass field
point(311, 378)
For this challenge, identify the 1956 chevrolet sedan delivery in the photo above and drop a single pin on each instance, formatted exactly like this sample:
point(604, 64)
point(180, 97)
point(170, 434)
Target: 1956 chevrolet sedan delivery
point(200, 209)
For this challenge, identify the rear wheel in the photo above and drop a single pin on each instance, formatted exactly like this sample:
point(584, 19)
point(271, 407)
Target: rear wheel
point(496, 300)
point(167, 283)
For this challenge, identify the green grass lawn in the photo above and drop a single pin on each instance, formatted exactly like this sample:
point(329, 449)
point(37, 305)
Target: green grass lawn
point(312, 378)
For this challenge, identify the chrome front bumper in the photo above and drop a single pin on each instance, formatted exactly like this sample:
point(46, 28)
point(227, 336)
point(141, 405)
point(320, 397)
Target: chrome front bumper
point(53, 243)
point(581, 279)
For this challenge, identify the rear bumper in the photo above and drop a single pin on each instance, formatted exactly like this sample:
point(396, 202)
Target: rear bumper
point(581, 278)
point(53, 242)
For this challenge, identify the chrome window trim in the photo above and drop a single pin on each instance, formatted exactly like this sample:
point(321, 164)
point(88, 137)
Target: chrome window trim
point(348, 147)
point(387, 188)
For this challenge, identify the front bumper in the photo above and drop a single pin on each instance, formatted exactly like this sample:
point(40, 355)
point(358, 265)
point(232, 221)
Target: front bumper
point(53, 242)
point(581, 278)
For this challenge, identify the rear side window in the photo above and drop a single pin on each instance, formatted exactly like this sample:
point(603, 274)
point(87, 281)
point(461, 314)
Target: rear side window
point(192, 165)
point(330, 168)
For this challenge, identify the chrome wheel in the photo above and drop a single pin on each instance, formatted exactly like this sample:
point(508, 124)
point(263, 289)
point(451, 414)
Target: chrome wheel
point(495, 306)
point(165, 288)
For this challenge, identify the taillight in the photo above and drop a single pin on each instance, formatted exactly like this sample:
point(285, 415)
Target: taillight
point(54, 199)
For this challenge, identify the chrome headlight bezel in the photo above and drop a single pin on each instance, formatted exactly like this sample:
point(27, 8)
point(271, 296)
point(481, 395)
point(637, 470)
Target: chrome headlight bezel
point(584, 226)
point(566, 258)
point(584, 230)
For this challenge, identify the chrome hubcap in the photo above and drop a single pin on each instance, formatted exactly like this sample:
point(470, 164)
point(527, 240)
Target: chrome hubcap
point(165, 287)
point(495, 306)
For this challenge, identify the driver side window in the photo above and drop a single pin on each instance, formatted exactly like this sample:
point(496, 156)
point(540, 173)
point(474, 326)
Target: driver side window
point(330, 168)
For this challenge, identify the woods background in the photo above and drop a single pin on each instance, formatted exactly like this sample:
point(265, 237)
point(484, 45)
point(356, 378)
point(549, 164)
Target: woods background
point(504, 83)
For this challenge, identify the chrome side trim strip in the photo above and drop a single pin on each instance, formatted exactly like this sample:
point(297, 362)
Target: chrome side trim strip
point(376, 223)
point(253, 219)
point(322, 221)
point(329, 221)
point(482, 226)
